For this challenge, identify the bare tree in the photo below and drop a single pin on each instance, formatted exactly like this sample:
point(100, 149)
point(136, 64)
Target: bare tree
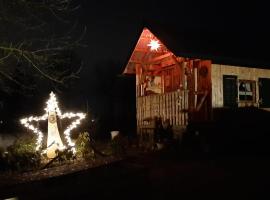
point(37, 42)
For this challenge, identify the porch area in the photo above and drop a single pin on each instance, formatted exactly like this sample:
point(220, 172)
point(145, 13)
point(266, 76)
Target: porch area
point(171, 108)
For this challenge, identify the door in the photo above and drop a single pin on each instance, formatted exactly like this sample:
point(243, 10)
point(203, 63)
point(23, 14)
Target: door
point(230, 92)
point(264, 92)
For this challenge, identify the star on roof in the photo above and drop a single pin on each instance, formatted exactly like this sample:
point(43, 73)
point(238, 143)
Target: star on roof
point(154, 45)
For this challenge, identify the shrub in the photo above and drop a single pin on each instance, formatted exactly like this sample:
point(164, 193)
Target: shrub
point(65, 155)
point(22, 155)
point(83, 147)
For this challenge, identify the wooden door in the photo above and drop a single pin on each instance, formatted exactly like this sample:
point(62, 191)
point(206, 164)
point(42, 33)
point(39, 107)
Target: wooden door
point(230, 92)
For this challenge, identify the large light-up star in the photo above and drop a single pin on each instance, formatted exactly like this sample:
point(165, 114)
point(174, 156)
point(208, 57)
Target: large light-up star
point(154, 45)
point(52, 110)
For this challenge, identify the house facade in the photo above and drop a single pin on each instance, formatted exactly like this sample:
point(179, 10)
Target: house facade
point(183, 90)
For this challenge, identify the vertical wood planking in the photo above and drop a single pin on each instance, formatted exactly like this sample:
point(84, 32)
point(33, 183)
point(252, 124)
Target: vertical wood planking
point(141, 110)
point(174, 106)
point(186, 108)
point(180, 104)
point(168, 106)
point(137, 112)
point(179, 108)
point(144, 108)
point(151, 106)
point(164, 105)
point(161, 104)
point(182, 108)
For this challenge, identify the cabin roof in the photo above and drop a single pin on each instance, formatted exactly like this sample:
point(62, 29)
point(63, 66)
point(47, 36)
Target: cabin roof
point(221, 47)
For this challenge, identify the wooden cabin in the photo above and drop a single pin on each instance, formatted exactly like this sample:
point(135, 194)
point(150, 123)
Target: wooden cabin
point(183, 90)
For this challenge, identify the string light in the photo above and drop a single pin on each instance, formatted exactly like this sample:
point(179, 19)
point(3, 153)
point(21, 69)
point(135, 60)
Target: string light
point(52, 106)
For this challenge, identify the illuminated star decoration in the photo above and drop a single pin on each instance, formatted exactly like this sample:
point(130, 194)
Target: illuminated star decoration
point(52, 106)
point(154, 45)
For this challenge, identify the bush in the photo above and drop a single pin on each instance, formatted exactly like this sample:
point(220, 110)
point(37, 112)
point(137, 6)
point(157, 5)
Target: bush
point(22, 155)
point(83, 147)
point(65, 155)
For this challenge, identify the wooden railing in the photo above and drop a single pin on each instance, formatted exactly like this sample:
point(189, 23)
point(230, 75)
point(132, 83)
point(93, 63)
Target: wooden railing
point(172, 106)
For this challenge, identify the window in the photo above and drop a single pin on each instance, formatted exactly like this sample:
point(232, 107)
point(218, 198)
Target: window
point(246, 90)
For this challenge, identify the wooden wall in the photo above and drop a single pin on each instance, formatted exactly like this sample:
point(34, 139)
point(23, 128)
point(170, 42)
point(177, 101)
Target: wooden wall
point(199, 86)
point(172, 106)
point(245, 73)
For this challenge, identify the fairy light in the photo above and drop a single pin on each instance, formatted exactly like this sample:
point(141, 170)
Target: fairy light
point(52, 106)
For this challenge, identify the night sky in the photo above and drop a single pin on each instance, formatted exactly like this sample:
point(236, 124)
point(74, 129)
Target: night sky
point(112, 27)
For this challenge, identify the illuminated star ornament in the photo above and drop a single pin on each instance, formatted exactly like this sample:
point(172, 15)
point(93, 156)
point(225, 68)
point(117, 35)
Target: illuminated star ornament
point(54, 141)
point(154, 45)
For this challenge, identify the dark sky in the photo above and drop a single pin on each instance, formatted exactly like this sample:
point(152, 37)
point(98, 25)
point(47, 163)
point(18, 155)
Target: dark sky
point(112, 25)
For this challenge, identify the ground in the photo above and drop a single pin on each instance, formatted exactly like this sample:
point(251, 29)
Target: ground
point(156, 175)
point(8, 179)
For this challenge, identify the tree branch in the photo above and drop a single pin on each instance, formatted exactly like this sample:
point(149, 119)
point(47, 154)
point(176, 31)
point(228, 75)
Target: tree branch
point(40, 71)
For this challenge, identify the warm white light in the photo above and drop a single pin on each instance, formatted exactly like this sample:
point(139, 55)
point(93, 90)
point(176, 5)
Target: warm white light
point(52, 106)
point(154, 45)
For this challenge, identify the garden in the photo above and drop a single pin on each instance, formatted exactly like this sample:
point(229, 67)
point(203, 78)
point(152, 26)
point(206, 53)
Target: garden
point(57, 146)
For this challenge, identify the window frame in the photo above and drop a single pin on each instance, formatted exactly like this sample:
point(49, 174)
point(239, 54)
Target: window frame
point(253, 90)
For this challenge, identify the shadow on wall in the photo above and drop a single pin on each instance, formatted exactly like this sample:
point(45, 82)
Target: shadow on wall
point(233, 131)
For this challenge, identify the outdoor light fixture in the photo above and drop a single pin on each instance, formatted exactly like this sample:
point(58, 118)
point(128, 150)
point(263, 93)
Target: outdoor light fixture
point(53, 140)
point(154, 45)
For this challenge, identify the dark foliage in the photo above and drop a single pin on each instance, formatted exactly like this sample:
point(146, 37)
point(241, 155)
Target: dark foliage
point(22, 155)
point(38, 39)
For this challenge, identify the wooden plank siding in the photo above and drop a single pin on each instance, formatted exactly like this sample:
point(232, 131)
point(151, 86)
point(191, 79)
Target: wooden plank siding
point(242, 73)
point(167, 106)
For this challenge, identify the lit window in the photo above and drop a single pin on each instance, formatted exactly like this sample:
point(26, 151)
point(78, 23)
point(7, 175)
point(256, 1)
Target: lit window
point(247, 90)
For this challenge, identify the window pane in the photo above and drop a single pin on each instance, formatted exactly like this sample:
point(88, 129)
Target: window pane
point(246, 92)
